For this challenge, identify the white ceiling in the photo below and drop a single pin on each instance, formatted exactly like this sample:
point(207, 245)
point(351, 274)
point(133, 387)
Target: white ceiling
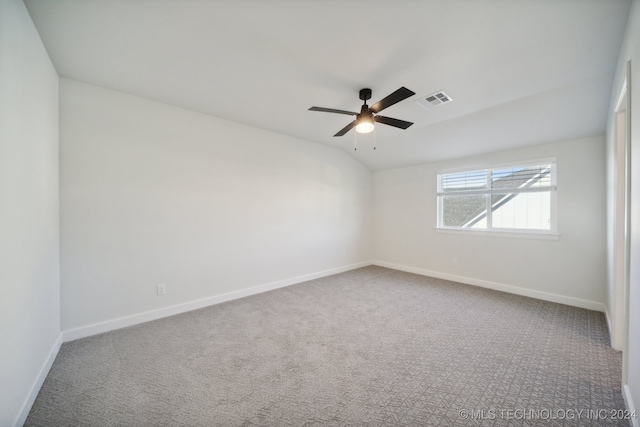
point(521, 72)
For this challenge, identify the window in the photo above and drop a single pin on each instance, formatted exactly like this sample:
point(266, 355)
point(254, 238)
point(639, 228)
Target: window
point(518, 199)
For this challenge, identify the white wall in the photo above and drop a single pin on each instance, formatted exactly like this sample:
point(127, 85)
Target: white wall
point(573, 268)
point(29, 262)
point(154, 194)
point(630, 50)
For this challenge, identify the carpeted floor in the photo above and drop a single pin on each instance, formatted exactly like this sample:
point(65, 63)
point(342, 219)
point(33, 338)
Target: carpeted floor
point(368, 347)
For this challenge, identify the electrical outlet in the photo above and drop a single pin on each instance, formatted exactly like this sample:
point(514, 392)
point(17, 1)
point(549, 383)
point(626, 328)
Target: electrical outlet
point(454, 261)
point(162, 289)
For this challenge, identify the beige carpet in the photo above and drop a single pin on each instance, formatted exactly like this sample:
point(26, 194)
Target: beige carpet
point(368, 347)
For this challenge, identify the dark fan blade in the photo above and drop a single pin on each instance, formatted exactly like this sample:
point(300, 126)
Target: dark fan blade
point(332, 110)
point(397, 96)
point(346, 129)
point(392, 122)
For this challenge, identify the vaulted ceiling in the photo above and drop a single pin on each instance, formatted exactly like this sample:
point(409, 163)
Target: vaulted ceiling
point(520, 72)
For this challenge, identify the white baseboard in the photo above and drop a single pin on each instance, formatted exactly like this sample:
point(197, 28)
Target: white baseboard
point(134, 319)
point(628, 400)
point(608, 319)
point(546, 296)
point(37, 383)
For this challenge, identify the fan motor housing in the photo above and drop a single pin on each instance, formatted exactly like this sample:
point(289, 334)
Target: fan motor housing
point(365, 94)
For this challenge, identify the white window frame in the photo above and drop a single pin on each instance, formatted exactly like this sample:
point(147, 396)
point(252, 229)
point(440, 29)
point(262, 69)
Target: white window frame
point(552, 189)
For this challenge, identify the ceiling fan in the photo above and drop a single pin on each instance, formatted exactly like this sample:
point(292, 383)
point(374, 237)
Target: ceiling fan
point(364, 121)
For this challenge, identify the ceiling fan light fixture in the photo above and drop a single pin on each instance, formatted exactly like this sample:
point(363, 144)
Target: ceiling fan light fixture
point(365, 125)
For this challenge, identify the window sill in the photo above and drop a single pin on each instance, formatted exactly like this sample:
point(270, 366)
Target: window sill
point(496, 233)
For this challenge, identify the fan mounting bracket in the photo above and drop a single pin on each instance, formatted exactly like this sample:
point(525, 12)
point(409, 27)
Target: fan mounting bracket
point(365, 94)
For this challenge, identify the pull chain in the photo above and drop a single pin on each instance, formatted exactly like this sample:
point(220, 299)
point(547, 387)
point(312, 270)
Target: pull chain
point(355, 141)
point(374, 138)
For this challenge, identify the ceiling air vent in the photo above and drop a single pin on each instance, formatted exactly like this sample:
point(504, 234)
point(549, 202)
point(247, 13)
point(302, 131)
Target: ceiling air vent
point(434, 99)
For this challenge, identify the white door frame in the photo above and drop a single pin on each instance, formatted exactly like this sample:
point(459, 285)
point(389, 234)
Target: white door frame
point(622, 218)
